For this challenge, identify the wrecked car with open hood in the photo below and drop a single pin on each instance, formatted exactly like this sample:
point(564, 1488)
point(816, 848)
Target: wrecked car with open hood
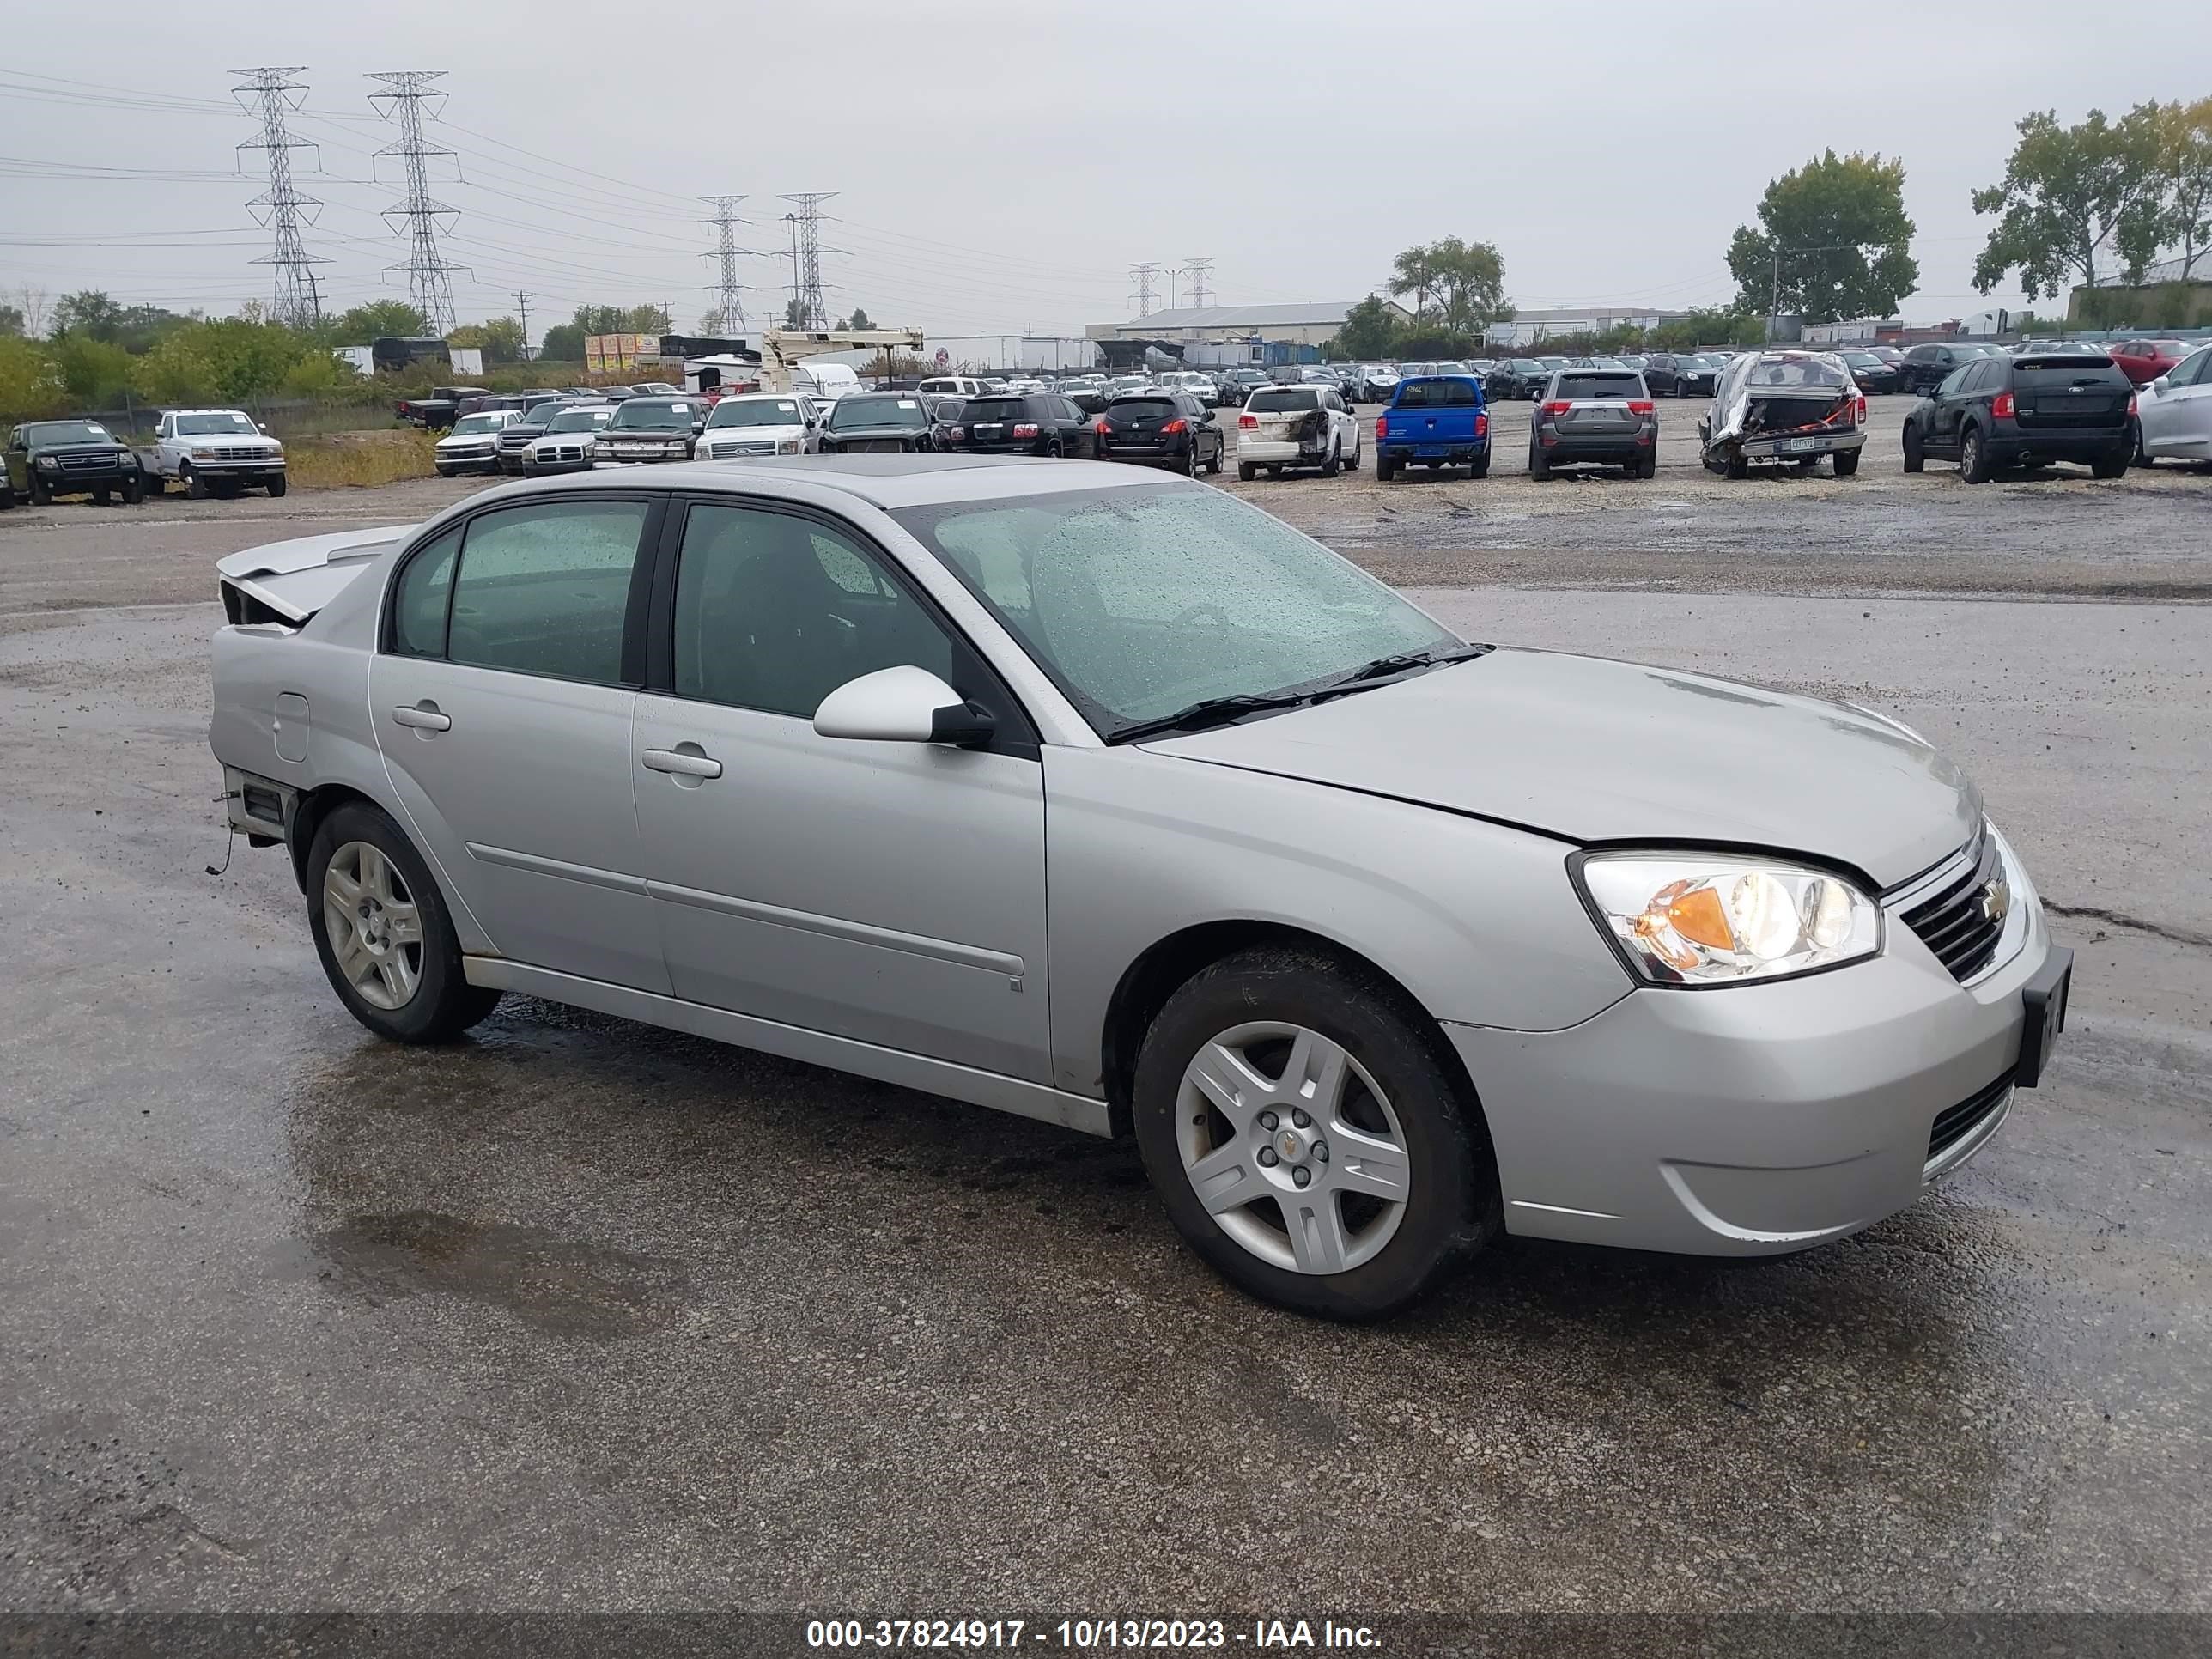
point(1792, 407)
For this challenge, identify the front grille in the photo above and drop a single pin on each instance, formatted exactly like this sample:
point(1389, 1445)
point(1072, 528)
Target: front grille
point(727, 450)
point(1957, 1122)
point(1957, 922)
point(559, 454)
point(237, 453)
point(87, 463)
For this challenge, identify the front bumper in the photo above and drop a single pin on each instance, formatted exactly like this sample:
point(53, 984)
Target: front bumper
point(643, 454)
point(1761, 1119)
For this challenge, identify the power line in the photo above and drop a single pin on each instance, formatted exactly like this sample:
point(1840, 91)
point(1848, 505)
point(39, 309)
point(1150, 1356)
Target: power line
point(806, 252)
point(428, 287)
point(1197, 269)
point(729, 291)
point(297, 301)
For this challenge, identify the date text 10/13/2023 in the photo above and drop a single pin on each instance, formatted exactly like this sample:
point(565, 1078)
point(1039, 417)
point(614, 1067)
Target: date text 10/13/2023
point(1091, 1635)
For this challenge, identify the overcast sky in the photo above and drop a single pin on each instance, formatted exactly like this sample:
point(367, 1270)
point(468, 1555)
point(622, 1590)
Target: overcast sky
point(1000, 166)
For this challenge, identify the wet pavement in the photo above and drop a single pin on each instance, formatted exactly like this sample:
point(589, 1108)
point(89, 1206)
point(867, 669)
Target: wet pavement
point(582, 1315)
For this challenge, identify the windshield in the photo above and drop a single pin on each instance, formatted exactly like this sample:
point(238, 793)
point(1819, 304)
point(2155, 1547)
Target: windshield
point(1284, 398)
point(757, 411)
point(653, 415)
point(466, 424)
point(209, 426)
point(581, 420)
point(1141, 601)
point(541, 413)
point(68, 432)
point(1863, 360)
point(877, 412)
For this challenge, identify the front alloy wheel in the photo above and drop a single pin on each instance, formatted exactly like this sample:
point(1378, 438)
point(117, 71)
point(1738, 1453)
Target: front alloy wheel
point(1292, 1147)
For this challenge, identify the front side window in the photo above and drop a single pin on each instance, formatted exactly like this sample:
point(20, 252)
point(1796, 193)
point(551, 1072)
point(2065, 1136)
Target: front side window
point(775, 611)
point(1141, 601)
point(544, 589)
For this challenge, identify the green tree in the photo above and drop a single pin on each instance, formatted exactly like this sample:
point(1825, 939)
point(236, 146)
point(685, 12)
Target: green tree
point(2067, 194)
point(11, 322)
point(1457, 286)
point(95, 372)
point(564, 343)
point(1369, 332)
point(794, 313)
point(379, 319)
point(499, 339)
point(858, 319)
point(623, 319)
point(2177, 139)
point(1832, 241)
point(29, 385)
point(90, 314)
point(175, 372)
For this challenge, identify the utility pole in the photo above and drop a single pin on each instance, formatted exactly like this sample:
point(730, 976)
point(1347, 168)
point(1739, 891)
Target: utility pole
point(1199, 268)
point(428, 285)
point(1142, 277)
point(806, 252)
point(729, 292)
point(297, 301)
point(522, 304)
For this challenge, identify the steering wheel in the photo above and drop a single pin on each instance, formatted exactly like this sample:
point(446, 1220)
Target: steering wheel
point(1201, 610)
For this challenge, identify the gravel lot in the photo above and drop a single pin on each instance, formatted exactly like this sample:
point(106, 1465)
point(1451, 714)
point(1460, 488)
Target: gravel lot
point(580, 1314)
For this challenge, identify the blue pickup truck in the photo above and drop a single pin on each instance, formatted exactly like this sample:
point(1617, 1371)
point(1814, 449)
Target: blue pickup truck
point(1434, 421)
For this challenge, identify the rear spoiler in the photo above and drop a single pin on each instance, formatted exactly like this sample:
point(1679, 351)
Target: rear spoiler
point(287, 582)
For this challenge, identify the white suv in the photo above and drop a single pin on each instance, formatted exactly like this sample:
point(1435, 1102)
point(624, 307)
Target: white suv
point(1286, 426)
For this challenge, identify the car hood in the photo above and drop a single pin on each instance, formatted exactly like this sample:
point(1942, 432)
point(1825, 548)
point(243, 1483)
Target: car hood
point(99, 448)
point(1594, 750)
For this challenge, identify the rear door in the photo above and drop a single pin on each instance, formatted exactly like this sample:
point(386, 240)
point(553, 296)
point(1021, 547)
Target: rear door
point(502, 699)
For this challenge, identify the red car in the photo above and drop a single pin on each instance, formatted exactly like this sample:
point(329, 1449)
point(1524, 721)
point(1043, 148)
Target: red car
point(2144, 360)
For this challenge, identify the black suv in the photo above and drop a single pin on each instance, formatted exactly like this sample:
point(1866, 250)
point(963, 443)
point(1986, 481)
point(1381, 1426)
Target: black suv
point(46, 458)
point(1036, 424)
point(2027, 410)
point(1925, 367)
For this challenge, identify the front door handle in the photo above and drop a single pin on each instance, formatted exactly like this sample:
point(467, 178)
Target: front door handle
point(424, 716)
point(682, 764)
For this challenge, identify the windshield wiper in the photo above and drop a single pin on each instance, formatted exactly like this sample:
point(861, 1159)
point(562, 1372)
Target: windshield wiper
point(1383, 667)
point(1210, 711)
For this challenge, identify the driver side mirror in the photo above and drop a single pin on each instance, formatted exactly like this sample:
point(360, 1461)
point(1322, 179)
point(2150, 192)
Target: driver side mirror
point(903, 705)
point(2158, 387)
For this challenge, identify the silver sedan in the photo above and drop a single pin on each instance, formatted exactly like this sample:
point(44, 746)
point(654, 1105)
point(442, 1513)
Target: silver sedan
point(1105, 798)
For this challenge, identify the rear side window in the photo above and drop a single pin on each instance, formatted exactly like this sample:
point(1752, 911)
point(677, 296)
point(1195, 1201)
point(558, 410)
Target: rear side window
point(1599, 387)
point(426, 586)
point(1287, 400)
point(1436, 394)
point(545, 590)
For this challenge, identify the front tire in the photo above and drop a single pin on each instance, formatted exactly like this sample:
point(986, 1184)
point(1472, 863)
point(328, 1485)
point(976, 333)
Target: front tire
point(1385, 468)
point(382, 931)
point(195, 487)
point(276, 488)
point(1387, 1183)
point(1333, 465)
point(1915, 454)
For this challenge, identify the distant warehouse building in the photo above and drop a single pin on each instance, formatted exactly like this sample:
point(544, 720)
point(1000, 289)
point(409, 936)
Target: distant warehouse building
point(1529, 327)
point(1218, 335)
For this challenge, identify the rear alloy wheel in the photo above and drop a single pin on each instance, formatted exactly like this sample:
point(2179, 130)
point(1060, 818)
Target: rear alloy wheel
point(381, 929)
point(1916, 457)
point(1974, 456)
point(1302, 1129)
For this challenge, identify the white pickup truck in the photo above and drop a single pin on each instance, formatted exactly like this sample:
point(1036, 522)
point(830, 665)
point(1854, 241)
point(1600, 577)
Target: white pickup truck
point(212, 452)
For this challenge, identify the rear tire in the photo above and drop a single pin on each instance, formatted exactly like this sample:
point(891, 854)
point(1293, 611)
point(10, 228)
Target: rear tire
point(438, 1003)
point(1916, 455)
point(1647, 466)
point(1847, 462)
point(1480, 467)
point(2114, 465)
point(1974, 466)
point(1385, 468)
point(1381, 1079)
point(1246, 472)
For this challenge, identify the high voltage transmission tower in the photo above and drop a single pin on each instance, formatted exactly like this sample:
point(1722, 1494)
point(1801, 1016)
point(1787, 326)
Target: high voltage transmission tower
point(427, 268)
point(1142, 277)
point(1197, 269)
point(297, 303)
point(729, 292)
point(806, 252)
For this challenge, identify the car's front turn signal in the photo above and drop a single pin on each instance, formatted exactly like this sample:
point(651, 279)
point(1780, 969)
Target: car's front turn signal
point(1691, 918)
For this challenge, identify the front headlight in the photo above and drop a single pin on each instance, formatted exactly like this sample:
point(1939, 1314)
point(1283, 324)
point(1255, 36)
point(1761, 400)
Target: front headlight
point(788, 446)
point(201, 452)
point(1699, 918)
point(48, 463)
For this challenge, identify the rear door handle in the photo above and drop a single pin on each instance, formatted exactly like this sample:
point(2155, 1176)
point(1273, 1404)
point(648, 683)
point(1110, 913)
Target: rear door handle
point(682, 764)
point(422, 716)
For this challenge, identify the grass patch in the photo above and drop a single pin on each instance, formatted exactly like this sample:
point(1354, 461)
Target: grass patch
point(346, 459)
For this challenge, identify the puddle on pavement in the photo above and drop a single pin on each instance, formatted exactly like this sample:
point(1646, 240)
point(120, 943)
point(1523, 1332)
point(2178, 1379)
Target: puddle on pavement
point(555, 1284)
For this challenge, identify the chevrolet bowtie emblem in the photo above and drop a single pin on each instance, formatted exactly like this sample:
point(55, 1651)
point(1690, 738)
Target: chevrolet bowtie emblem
point(1996, 900)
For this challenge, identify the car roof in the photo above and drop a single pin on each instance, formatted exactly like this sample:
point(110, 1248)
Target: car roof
point(882, 481)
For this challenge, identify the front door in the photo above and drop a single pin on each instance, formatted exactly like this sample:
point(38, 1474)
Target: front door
point(891, 892)
point(503, 708)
